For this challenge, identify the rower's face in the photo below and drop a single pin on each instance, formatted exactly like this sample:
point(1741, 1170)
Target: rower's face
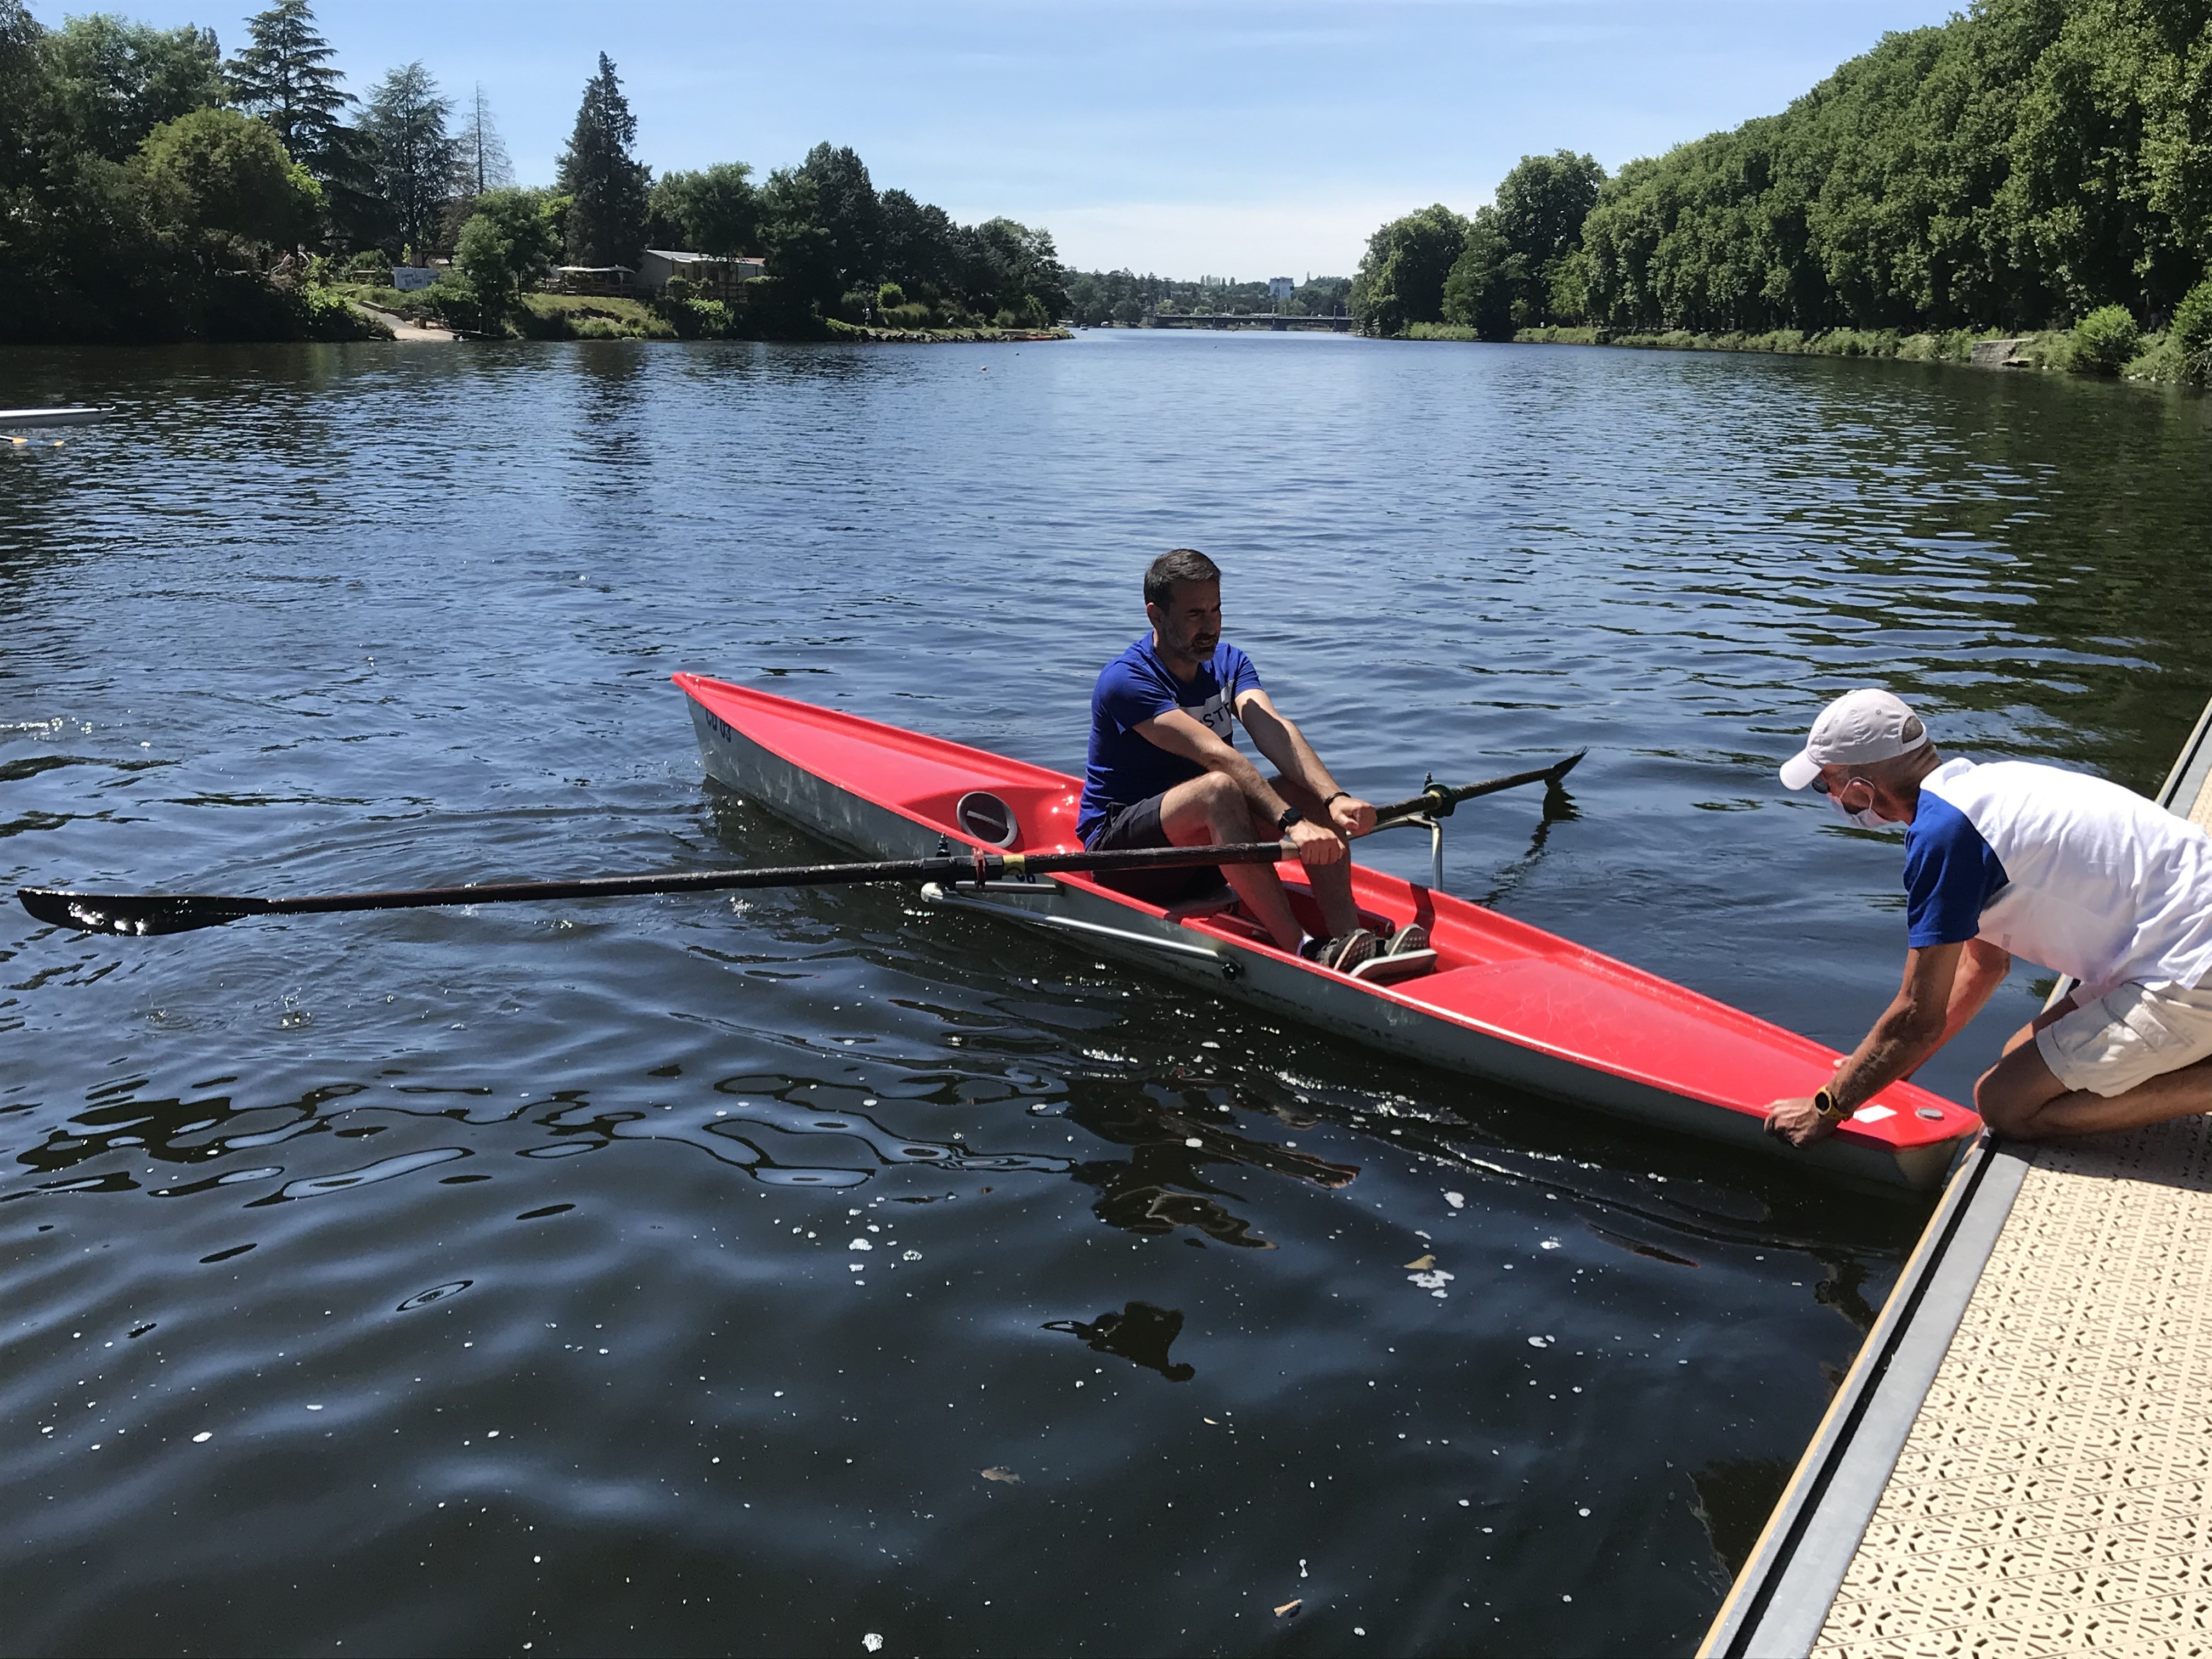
point(1189, 624)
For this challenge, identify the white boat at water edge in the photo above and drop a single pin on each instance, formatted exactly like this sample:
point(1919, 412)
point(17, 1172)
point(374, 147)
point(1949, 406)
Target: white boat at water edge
point(73, 415)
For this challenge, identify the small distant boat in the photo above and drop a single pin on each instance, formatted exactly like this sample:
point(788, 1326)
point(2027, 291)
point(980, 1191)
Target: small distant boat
point(73, 415)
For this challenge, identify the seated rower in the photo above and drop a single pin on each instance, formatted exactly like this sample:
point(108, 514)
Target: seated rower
point(1164, 770)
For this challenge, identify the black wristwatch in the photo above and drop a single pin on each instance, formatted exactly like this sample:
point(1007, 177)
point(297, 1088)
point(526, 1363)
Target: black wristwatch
point(1290, 815)
point(1831, 1109)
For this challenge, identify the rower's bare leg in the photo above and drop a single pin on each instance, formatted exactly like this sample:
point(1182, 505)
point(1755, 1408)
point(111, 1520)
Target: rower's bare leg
point(1332, 883)
point(1211, 811)
point(2018, 1096)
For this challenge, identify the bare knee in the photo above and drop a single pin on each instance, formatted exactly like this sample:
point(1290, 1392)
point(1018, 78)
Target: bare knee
point(2005, 1110)
point(1209, 807)
point(1223, 801)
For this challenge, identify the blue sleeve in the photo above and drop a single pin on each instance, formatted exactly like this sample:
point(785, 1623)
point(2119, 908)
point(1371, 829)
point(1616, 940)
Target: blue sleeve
point(1127, 695)
point(1950, 875)
point(1240, 676)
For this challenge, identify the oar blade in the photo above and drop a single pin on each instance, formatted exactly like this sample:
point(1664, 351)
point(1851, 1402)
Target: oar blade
point(138, 914)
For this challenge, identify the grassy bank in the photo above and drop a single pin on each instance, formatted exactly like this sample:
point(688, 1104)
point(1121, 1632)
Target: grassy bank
point(596, 317)
point(2157, 359)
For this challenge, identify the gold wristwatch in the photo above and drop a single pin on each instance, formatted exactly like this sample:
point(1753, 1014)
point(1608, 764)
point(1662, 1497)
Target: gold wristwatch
point(1831, 1109)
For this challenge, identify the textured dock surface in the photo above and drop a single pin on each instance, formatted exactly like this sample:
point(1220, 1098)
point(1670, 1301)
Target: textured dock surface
point(2054, 1494)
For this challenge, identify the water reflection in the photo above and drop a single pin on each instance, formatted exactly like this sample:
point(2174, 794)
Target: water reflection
point(1140, 1333)
point(1160, 1187)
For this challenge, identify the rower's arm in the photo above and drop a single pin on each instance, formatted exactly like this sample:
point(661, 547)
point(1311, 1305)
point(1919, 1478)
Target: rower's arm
point(1275, 736)
point(1914, 1026)
point(1186, 735)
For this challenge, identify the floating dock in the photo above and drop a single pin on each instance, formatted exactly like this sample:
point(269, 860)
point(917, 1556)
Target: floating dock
point(2019, 1461)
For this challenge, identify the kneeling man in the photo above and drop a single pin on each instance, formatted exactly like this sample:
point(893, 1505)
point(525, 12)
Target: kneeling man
point(2014, 859)
point(1164, 770)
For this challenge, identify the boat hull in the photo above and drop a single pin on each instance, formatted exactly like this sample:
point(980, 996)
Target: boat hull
point(772, 751)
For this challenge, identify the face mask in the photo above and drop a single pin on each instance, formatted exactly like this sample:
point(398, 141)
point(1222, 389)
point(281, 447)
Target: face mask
point(1869, 819)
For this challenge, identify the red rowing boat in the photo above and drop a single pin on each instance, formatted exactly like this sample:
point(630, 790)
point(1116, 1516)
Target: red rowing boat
point(1494, 997)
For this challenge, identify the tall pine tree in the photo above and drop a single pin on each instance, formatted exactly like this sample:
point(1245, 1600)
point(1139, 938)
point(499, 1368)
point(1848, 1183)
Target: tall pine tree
point(414, 158)
point(606, 188)
point(285, 78)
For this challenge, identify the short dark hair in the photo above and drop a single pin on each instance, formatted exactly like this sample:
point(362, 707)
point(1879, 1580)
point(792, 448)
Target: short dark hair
point(1181, 564)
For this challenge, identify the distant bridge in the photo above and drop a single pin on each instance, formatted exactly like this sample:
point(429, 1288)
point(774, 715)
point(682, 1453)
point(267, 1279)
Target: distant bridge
point(1246, 319)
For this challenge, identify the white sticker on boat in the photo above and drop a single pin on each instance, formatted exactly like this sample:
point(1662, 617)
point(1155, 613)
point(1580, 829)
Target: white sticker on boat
point(1872, 1114)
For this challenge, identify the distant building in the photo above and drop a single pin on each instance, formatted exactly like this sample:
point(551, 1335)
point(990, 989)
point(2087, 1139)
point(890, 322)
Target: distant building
point(710, 278)
point(1282, 288)
point(612, 280)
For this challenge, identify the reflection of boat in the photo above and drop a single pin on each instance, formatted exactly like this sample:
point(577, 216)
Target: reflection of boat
point(73, 414)
point(1498, 999)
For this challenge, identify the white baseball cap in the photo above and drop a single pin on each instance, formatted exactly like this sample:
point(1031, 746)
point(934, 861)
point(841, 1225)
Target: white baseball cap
point(1857, 729)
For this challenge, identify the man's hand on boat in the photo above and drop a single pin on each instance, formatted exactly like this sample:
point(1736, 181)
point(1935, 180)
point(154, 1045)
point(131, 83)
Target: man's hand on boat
point(2072, 872)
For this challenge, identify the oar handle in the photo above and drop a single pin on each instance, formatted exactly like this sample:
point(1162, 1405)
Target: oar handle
point(1437, 801)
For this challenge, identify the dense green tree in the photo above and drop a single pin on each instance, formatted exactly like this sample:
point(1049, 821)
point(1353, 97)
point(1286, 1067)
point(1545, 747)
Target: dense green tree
point(715, 210)
point(1481, 288)
point(2020, 166)
point(607, 188)
point(1401, 278)
point(2192, 333)
point(23, 92)
point(1011, 272)
point(1521, 266)
point(285, 76)
point(508, 243)
point(412, 155)
point(920, 248)
point(221, 184)
point(800, 254)
point(110, 82)
point(849, 213)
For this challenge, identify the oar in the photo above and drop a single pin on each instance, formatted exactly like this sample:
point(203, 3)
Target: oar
point(1437, 801)
point(180, 912)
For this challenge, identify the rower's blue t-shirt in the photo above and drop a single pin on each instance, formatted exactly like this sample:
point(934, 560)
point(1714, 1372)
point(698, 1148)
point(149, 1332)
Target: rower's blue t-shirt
point(1951, 875)
point(1126, 767)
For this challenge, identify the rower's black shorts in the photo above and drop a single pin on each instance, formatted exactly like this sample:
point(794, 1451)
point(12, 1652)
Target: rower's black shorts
point(1128, 828)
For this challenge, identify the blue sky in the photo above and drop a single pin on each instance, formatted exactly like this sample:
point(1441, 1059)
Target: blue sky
point(1245, 138)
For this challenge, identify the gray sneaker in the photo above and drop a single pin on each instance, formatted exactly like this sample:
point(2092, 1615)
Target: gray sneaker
point(1408, 939)
point(1344, 952)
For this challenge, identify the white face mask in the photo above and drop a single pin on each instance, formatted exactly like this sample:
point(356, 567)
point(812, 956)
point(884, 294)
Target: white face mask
point(1869, 819)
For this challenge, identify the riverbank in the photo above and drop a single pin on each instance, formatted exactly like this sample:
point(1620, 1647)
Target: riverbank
point(2157, 359)
point(605, 317)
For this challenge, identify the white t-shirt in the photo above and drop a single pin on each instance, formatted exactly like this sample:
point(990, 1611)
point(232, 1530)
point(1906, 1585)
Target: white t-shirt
point(2069, 871)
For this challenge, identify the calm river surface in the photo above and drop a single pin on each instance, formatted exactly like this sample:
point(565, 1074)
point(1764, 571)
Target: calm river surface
point(377, 1282)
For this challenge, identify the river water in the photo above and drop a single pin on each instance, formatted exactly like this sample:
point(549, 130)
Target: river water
point(390, 1283)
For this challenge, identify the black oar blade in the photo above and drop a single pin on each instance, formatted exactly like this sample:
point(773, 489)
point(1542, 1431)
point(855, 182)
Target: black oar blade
point(1552, 778)
point(136, 913)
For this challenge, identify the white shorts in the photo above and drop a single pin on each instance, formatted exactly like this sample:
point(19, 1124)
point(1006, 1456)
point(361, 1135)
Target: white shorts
point(2132, 1034)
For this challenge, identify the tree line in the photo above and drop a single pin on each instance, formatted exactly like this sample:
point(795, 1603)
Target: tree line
point(2022, 166)
point(151, 188)
point(1098, 297)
